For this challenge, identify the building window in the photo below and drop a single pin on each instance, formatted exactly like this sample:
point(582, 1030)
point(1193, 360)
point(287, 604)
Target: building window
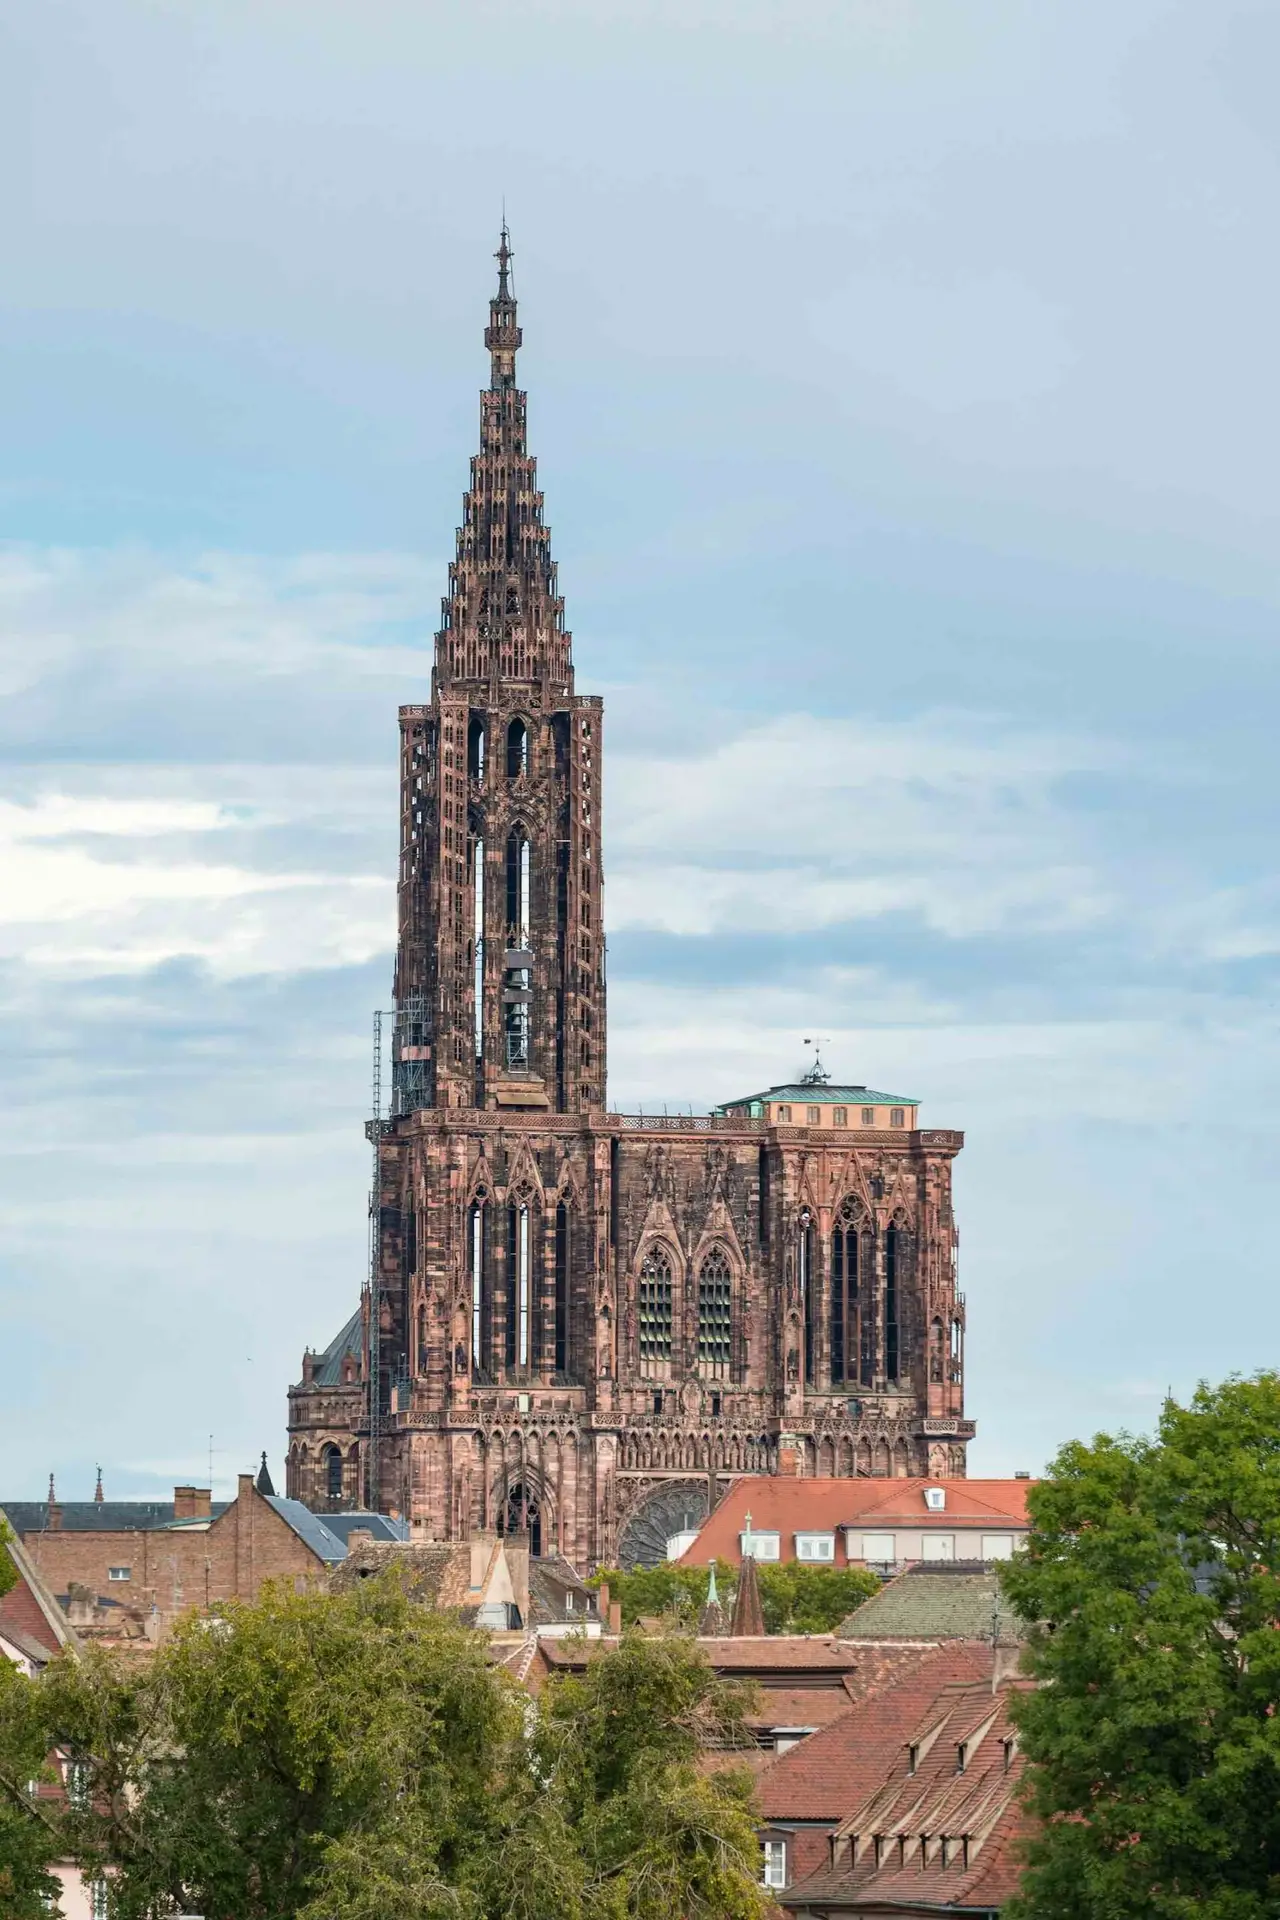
point(774, 1873)
point(562, 1288)
point(655, 1310)
point(333, 1473)
point(805, 1245)
point(761, 1546)
point(938, 1546)
point(784, 1116)
point(715, 1315)
point(893, 1250)
point(839, 1116)
point(517, 750)
point(879, 1549)
point(997, 1546)
point(815, 1546)
point(868, 1116)
point(98, 1908)
point(519, 1254)
point(897, 1117)
point(846, 1311)
point(119, 1573)
point(76, 1781)
point(813, 1116)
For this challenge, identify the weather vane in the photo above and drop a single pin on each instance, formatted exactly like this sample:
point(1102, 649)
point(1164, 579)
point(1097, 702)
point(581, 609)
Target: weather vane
point(817, 1075)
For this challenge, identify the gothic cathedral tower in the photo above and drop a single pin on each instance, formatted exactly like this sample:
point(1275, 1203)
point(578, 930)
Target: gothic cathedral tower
point(582, 1324)
point(500, 965)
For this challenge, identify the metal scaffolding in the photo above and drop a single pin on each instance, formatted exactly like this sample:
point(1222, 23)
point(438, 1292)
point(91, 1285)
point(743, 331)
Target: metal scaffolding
point(373, 1289)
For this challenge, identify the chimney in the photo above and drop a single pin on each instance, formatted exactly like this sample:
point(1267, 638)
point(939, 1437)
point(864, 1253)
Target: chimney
point(1022, 1474)
point(615, 1618)
point(191, 1503)
point(602, 1600)
point(80, 1605)
point(53, 1517)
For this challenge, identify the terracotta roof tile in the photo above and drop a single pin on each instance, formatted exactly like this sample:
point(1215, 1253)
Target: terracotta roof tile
point(780, 1504)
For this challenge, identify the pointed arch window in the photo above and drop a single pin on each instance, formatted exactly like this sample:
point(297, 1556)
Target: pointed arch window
point(564, 1244)
point(519, 1258)
point(655, 1304)
point(805, 1274)
point(846, 1303)
point(894, 1249)
point(332, 1473)
point(478, 1274)
point(517, 750)
point(715, 1315)
point(476, 747)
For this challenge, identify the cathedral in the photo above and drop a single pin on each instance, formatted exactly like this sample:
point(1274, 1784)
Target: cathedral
point(582, 1324)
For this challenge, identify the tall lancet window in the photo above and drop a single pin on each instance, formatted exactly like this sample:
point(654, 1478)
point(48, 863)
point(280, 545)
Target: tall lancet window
point(519, 1245)
point(517, 750)
point(476, 1266)
point(517, 992)
point(477, 893)
point(808, 1304)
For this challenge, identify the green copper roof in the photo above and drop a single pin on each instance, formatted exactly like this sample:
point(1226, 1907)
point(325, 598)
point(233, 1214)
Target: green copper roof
point(825, 1096)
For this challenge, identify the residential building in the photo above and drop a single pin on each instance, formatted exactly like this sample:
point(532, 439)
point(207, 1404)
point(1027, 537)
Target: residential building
point(861, 1522)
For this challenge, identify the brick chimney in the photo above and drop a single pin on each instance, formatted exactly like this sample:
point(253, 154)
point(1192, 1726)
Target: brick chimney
point(192, 1503)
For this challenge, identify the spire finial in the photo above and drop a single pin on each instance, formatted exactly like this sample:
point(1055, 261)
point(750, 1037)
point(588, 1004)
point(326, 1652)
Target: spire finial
point(97, 1492)
point(53, 1498)
point(504, 256)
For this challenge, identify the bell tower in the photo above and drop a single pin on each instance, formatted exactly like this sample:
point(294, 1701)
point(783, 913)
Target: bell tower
point(500, 984)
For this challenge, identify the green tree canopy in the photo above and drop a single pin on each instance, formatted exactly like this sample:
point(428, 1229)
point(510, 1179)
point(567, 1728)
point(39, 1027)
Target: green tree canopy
point(358, 1757)
point(795, 1598)
point(29, 1835)
point(1153, 1568)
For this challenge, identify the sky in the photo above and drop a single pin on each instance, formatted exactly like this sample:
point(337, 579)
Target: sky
point(902, 378)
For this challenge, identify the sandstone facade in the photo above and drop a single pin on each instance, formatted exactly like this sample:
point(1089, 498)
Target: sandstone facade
point(581, 1323)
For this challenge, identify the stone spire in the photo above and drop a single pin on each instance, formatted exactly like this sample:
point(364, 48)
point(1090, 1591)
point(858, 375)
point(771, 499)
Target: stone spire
point(748, 1614)
point(503, 617)
point(97, 1492)
point(263, 1481)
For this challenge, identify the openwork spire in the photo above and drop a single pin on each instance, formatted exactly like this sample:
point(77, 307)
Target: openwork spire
point(503, 617)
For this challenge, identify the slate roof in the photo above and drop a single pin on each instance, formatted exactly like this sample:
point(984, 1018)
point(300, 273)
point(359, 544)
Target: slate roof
point(328, 1365)
point(97, 1516)
point(309, 1527)
point(824, 1096)
point(551, 1577)
point(380, 1525)
point(933, 1602)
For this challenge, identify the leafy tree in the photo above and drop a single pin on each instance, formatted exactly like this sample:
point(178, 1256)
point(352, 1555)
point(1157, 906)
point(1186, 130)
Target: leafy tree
point(356, 1757)
point(795, 1598)
point(8, 1572)
point(30, 1839)
point(1153, 1567)
point(659, 1836)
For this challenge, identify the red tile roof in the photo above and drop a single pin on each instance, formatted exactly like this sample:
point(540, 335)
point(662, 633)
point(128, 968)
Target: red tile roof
point(930, 1834)
point(831, 1772)
point(783, 1505)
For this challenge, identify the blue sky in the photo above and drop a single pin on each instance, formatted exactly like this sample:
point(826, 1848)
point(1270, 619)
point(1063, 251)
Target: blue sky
point(902, 377)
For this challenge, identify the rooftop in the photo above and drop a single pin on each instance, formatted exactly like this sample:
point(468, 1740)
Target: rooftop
point(932, 1602)
point(786, 1506)
point(823, 1094)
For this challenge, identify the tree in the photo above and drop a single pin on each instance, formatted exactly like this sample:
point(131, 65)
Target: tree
point(1153, 1571)
point(8, 1571)
point(357, 1757)
point(30, 1839)
point(812, 1599)
point(795, 1598)
point(620, 1742)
